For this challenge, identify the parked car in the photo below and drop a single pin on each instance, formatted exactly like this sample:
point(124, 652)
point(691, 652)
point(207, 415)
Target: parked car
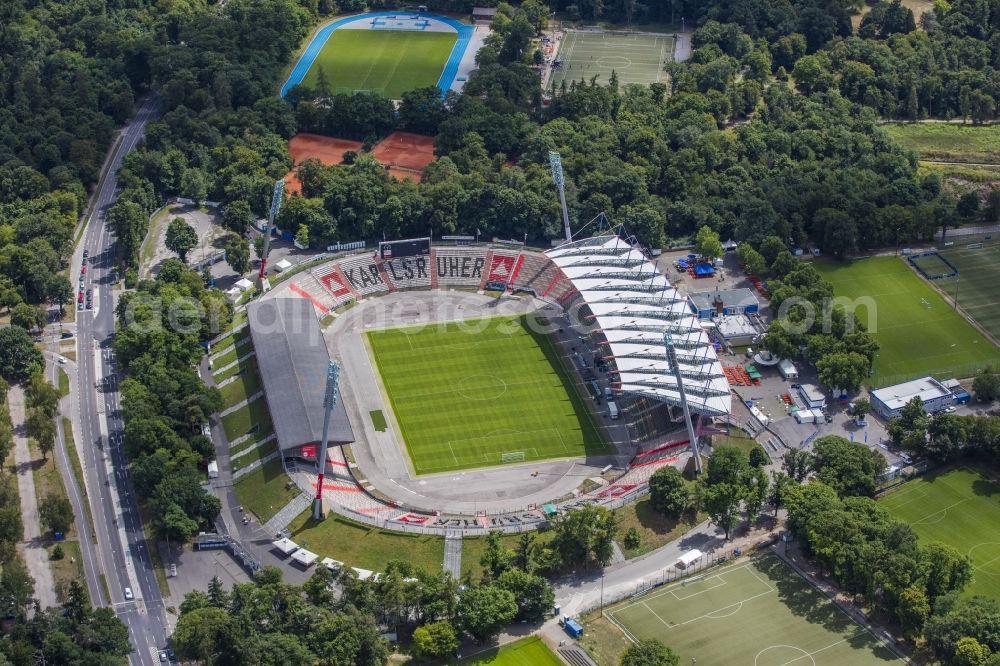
point(128, 594)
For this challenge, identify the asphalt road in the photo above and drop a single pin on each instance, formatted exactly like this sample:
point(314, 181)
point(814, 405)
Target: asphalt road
point(122, 552)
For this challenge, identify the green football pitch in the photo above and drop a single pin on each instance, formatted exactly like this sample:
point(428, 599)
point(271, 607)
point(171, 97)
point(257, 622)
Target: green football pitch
point(918, 332)
point(525, 652)
point(383, 61)
point(756, 614)
point(634, 58)
point(961, 508)
point(977, 280)
point(482, 392)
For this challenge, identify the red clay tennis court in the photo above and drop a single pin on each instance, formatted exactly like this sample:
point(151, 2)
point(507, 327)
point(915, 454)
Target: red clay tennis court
point(326, 149)
point(405, 154)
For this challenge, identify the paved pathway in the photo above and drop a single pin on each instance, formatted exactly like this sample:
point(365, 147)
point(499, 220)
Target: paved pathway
point(36, 558)
point(453, 554)
point(282, 519)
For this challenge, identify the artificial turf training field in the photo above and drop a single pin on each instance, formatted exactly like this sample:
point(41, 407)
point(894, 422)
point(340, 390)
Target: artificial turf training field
point(919, 333)
point(383, 61)
point(634, 58)
point(525, 652)
point(466, 393)
point(961, 508)
point(756, 614)
point(977, 280)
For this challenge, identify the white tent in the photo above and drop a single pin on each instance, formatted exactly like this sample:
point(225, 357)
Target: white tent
point(286, 545)
point(305, 557)
point(363, 574)
point(688, 558)
point(283, 265)
point(243, 284)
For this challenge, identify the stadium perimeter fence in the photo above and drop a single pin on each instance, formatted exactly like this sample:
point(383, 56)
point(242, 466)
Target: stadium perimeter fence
point(477, 530)
point(694, 572)
point(960, 371)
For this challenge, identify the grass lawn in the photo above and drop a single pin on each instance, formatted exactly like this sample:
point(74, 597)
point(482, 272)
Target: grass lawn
point(228, 357)
point(918, 332)
point(63, 383)
point(47, 481)
point(255, 455)
point(363, 546)
point(950, 143)
point(464, 394)
point(247, 365)
point(961, 508)
point(239, 422)
point(263, 491)
point(232, 338)
point(64, 570)
point(383, 61)
point(74, 463)
point(744, 444)
point(242, 387)
point(529, 651)
point(655, 529)
point(760, 612)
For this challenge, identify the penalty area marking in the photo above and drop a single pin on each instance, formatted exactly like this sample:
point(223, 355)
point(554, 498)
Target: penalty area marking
point(985, 566)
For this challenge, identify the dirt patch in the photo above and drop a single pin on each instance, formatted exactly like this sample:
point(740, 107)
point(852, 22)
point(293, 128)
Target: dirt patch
point(326, 149)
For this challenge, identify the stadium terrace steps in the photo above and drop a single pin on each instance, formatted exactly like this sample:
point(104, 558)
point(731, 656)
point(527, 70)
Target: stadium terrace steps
point(335, 284)
point(408, 272)
point(363, 276)
point(459, 267)
point(434, 279)
point(286, 515)
point(308, 287)
point(384, 274)
point(500, 267)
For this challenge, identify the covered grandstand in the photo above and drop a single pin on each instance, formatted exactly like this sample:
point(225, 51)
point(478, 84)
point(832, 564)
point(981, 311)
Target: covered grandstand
point(293, 357)
point(633, 306)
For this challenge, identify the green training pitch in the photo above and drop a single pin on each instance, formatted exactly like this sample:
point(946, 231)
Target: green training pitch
point(383, 61)
point(975, 286)
point(525, 652)
point(482, 392)
point(634, 58)
point(961, 508)
point(919, 333)
point(760, 613)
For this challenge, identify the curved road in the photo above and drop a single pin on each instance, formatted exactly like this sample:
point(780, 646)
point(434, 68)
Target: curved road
point(122, 552)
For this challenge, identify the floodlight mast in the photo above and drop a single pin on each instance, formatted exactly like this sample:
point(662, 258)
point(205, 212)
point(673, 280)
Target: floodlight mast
point(668, 342)
point(329, 402)
point(555, 161)
point(276, 197)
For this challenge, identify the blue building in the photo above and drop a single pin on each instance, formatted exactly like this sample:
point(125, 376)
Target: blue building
point(708, 304)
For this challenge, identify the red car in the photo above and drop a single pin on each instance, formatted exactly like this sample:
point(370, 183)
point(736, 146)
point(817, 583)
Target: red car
point(83, 269)
point(79, 297)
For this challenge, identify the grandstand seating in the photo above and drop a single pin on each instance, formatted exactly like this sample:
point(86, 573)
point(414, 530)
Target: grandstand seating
point(408, 272)
point(362, 275)
point(334, 283)
point(384, 274)
point(459, 266)
point(500, 266)
point(308, 287)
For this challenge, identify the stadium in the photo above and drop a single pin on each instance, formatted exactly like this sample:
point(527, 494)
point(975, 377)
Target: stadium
point(483, 387)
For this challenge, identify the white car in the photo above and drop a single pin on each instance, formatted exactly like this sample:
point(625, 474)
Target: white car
point(62, 360)
point(128, 594)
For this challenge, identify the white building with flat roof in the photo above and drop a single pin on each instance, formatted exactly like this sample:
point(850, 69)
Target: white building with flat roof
point(888, 402)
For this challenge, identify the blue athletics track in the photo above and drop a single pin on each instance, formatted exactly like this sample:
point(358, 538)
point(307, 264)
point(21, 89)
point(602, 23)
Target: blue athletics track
point(447, 78)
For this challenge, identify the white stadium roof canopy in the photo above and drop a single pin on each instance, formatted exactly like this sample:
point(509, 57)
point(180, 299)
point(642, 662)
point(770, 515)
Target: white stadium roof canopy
point(634, 306)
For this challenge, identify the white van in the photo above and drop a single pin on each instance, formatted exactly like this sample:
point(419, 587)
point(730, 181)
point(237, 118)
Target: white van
point(128, 594)
point(613, 410)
